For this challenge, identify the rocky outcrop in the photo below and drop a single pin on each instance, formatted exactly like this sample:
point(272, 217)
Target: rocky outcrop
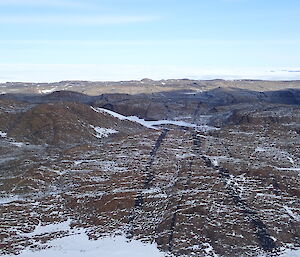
point(265, 114)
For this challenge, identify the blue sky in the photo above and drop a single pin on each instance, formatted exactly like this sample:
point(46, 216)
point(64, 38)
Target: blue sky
point(158, 38)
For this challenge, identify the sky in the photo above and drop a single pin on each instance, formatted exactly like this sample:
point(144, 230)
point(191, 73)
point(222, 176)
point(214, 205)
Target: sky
point(50, 40)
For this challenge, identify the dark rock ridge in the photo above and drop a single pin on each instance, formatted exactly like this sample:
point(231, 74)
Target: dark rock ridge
point(174, 104)
point(145, 86)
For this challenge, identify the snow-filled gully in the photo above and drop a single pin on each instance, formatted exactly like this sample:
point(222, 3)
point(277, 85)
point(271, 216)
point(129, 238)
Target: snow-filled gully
point(153, 124)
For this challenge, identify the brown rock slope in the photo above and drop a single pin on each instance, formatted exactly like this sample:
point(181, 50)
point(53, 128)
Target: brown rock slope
point(61, 123)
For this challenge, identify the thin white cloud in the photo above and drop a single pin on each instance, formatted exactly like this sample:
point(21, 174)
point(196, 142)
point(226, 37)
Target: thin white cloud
point(76, 20)
point(41, 3)
point(233, 1)
point(160, 42)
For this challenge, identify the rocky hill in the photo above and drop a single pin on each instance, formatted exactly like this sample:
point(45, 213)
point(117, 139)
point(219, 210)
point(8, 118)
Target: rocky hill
point(62, 123)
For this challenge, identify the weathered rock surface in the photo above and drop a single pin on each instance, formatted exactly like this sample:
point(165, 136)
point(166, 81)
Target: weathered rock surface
point(231, 191)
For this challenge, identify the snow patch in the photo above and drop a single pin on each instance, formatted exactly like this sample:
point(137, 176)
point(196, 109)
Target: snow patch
point(6, 159)
point(78, 245)
point(111, 166)
point(215, 162)
point(3, 134)
point(260, 149)
point(78, 162)
point(103, 132)
point(47, 91)
point(122, 117)
point(193, 92)
point(48, 229)
point(18, 144)
point(209, 250)
point(291, 253)
point(184, 156)
point(289, 211)
point(11, 141)
point(5, 200)
point(114, 114)
point(286, 253)
point(287, 169)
